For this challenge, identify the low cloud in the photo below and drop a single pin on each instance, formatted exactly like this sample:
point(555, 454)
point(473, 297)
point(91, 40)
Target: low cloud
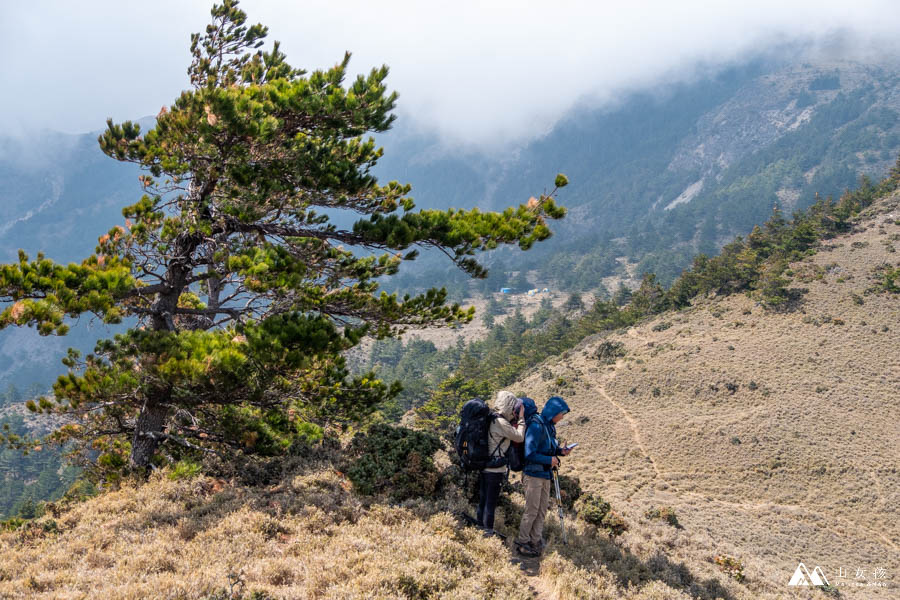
point(479, 73)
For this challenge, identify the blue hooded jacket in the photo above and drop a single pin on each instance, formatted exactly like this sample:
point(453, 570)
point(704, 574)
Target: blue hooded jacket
point(540, 436)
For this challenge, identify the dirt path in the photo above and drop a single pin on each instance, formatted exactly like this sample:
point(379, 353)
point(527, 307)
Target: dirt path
point(531, 569)
point(635, 432)
point(745, 507)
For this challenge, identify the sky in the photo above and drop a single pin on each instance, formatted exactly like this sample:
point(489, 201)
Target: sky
point(480, 73)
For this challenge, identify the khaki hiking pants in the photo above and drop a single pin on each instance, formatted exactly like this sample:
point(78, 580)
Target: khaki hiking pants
point(537, 501)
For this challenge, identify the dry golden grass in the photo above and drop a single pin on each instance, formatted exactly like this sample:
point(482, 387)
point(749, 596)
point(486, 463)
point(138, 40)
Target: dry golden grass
point(774, 436)
point(308, 537)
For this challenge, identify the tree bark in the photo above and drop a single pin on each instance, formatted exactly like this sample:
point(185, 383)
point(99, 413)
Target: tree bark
point(150, 423)
point(152, 419)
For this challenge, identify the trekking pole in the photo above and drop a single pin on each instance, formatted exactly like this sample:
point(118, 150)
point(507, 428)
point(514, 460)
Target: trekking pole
point(559, 505)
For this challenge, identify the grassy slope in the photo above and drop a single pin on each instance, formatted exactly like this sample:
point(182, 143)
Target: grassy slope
point(803, 467)
point(305, 537)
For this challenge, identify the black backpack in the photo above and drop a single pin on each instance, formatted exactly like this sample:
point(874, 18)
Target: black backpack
point(515, 455)
point(475, 420)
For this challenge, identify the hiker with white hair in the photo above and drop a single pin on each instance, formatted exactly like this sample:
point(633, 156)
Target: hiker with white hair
point(506, 427)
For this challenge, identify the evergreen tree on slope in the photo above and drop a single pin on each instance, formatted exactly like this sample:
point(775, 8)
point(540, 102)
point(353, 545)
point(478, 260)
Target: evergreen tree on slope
point(244, 290)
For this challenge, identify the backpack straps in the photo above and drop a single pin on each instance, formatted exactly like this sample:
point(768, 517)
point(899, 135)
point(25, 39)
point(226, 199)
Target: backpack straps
point(491, 437)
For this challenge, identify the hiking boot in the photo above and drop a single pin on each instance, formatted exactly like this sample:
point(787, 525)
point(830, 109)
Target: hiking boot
point(526, 550)
point(489, 533)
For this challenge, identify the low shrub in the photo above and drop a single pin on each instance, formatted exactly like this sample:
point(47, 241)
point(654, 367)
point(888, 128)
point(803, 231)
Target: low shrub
point(608, 352)
point(731, 566)
point(184, 469)
point(11, 524)
point(598, 512)
point(569, 491)
point(887, 280)
point(666, 513)
point(393, 459)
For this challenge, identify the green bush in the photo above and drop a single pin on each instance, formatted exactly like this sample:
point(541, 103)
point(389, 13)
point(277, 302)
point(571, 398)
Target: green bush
point(184, 469)
point(395, 460)
point(11, 524)
point(569, 490)
point(666, 513)
point(598, 512)
point(887, 280)
point(608, 352)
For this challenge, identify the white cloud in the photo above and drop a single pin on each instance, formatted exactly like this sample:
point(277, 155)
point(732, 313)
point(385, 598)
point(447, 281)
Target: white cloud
point(477, 72)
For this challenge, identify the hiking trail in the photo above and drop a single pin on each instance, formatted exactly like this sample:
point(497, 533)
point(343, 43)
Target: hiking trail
point(744, 507)
point(531, 569)
point(634, 430)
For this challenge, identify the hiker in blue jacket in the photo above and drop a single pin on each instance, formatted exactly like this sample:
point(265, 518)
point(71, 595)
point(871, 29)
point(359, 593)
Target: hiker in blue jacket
point(541, 452)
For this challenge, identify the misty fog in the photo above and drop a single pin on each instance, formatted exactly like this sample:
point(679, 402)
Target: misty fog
point(481, 74)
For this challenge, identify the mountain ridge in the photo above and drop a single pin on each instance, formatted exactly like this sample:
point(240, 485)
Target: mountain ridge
point(749, 427)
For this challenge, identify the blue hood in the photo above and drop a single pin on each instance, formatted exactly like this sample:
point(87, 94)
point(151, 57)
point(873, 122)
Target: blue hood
point(554, 406)
point(530, 406)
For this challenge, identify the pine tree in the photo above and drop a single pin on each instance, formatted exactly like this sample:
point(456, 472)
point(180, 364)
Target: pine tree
point(574, 302)
point(245, 291)
point(649, 298)
point(622, 296)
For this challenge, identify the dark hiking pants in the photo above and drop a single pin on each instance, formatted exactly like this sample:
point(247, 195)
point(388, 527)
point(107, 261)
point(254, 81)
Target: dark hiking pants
point(488, 494)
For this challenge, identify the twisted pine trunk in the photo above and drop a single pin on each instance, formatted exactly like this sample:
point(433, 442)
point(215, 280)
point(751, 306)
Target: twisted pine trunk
point(147, 433)
point(148, 430)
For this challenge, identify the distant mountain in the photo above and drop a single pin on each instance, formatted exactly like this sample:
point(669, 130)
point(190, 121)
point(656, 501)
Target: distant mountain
point(58, 194)
point(681, 170)
point(665, 174)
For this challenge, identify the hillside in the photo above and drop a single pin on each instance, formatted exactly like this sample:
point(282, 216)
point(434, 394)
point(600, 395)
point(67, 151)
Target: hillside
point(676, 170)
point(771, 435)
